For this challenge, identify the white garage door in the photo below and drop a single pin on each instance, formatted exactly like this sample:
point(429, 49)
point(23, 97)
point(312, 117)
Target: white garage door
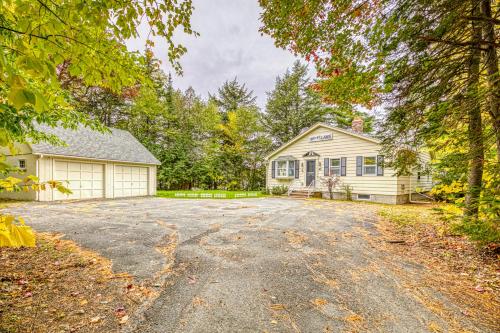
point(86, 180)
point(130, 181)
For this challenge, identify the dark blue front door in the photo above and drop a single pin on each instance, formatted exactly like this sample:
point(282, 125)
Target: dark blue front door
point(310, 171)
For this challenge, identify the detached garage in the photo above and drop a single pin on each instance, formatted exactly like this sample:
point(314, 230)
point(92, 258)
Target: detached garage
point(91, 164)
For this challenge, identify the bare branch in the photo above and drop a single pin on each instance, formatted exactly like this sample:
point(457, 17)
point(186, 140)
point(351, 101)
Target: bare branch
point(52, 12)
point(457, 43)
point(483, 18)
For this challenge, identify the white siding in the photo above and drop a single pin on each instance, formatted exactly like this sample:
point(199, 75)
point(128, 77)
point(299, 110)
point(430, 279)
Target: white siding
point(407, 185)
point(30, 170)
point(108, 180)
point(152, 180)
point(342, 145)
point(45, 173)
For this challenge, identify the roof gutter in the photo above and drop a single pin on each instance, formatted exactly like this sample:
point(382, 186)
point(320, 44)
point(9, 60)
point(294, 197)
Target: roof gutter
point(94, 159)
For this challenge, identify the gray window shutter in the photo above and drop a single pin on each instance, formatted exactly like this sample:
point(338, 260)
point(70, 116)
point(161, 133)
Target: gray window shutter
point(380, 165)
point(296, 168)
point(273, 169)
point(326, 167)
point(359, 165)
point(343, 165)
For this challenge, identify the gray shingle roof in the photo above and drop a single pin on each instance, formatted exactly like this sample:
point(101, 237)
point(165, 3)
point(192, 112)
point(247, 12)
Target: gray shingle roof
point(119, 145)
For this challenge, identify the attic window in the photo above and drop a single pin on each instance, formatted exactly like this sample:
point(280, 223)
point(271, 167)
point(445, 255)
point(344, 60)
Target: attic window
point(22, 164)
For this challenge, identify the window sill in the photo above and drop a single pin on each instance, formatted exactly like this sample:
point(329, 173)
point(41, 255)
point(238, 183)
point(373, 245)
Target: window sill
point(285, 177)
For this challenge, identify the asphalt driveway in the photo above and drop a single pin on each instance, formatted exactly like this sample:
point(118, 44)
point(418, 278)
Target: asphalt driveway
point(253, 265)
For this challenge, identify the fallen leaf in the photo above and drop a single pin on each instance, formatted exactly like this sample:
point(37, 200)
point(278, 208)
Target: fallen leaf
point(28, 294)
point(479, 289)
point(354, 317)
point(433, 327)
point(198, 301)
point(277, 307)
point(191, 279)
point(120, 311)
point(123, 320)
point(83, 302)
point(95, 319)
point(319, 301)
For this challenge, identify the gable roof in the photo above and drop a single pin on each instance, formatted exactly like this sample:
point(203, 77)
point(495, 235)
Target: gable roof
point(117, 145)
point(363, 136)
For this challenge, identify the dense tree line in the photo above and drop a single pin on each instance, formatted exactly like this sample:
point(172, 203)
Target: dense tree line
point(220, 142)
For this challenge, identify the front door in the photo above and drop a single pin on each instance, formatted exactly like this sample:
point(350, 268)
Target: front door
point(310, 171)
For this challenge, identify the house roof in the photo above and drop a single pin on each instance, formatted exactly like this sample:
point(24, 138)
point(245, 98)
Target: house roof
point(116, 145)
point(363, 136)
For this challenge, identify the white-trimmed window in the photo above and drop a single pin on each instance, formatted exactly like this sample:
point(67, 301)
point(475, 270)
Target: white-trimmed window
point(335, 167)
point(22, 164)
point(370, 165)
point(285, 169)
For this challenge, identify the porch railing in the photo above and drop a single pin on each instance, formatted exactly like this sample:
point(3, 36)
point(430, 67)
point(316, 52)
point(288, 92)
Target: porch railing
point(292, 187)
point(311, 188)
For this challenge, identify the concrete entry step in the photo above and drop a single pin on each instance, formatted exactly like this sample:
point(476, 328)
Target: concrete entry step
point(298, 195)
point(305, 194)
point(300, 191)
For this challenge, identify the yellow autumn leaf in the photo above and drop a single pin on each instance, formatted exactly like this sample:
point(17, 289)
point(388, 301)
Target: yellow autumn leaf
point(13, 235)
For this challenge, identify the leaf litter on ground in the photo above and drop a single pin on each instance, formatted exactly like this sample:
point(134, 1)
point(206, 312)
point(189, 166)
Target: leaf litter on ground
point(57, 286)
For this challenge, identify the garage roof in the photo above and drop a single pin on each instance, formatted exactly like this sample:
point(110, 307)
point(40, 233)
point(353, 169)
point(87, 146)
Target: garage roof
point(117, 145)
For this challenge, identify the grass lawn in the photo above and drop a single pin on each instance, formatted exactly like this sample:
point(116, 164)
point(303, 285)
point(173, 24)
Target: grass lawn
point(209, 194)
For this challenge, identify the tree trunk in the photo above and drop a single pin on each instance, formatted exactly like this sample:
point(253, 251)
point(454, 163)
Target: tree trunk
point(491, 62)
point(475, 130)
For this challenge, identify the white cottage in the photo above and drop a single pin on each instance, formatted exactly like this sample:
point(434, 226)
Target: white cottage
point(305, 162)
point(91, 164)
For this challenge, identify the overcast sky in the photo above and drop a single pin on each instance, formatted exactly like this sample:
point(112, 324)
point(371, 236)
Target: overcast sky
point(229, 45)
